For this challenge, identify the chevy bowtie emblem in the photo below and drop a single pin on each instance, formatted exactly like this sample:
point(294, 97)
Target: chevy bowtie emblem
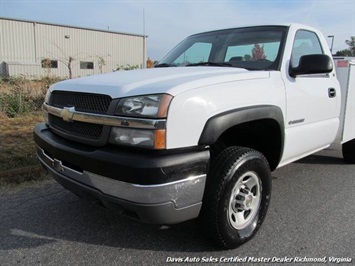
point(67, 114)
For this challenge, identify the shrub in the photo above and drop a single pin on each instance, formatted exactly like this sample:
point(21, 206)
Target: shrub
point(126, 67)
point(19, 95)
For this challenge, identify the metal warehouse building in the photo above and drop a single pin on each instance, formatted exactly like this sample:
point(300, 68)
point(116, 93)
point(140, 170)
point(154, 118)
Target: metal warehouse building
point(36, 49)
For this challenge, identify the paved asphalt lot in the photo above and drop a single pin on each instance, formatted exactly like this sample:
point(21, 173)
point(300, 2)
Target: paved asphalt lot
point(312, 214)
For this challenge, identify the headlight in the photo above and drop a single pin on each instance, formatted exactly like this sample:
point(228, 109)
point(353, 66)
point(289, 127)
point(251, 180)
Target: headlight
point(153, 108)
point(48, 96)
point(144, 106)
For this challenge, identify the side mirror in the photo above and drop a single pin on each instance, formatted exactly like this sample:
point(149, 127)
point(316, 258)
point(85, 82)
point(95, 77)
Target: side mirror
point(312, 64)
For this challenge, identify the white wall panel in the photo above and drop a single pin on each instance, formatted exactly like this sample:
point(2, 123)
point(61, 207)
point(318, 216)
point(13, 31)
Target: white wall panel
point(29, 43)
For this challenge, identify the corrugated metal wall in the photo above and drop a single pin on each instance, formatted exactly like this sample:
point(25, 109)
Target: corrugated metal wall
point(24, 45)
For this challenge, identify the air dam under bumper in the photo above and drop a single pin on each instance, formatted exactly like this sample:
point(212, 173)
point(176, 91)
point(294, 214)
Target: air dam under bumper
point(161, 203)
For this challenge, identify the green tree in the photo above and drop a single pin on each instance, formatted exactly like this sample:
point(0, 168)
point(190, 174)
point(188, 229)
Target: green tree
point(351, 44)
point(351, 50)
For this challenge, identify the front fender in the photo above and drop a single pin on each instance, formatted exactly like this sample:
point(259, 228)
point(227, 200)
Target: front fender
point(218, 124)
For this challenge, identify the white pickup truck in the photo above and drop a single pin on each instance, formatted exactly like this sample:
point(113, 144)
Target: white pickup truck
point(198, 135)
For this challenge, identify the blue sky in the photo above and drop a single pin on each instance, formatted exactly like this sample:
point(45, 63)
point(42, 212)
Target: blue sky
point(168, 22)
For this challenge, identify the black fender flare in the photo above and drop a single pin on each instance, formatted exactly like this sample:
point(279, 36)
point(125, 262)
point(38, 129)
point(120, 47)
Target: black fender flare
point(218, 124)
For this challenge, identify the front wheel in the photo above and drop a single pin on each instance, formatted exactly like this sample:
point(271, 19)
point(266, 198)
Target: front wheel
point(237, 196)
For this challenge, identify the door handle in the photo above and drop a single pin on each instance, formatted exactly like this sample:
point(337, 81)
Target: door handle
point(332, 93)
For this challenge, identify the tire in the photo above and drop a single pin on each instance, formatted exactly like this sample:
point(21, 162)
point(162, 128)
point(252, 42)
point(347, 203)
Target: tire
point(349, 151)
point(237, 196)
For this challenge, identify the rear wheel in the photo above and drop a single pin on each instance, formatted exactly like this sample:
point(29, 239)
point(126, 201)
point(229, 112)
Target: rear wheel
point(349, 151)
point(237, 196)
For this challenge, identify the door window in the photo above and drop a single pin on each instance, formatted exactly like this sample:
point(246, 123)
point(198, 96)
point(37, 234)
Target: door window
point(306, 42)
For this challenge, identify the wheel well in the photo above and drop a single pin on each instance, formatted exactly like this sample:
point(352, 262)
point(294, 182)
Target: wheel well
point(262, 135)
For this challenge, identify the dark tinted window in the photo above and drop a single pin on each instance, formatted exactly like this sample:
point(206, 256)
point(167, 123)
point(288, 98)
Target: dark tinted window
point(86, 65)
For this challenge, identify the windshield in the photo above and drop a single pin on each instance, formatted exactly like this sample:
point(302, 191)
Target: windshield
point(253, 48)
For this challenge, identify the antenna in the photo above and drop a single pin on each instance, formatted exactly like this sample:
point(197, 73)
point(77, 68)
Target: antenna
point(144, 42)
point(143, 21)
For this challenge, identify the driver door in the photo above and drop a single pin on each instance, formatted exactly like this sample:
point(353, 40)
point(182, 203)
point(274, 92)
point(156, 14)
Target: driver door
point(313, 103)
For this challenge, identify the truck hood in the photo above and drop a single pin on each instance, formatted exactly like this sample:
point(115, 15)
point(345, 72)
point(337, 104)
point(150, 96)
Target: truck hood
point(173, 80)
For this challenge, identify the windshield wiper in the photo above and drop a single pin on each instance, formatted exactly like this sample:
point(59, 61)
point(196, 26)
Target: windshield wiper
point(209, 63)
point(165, 65)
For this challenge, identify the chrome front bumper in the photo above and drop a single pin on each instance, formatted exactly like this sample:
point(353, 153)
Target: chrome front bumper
point(165, 203)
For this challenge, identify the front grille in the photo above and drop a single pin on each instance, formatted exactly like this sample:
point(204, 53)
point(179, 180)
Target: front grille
point(83, 102)
point(76, 128)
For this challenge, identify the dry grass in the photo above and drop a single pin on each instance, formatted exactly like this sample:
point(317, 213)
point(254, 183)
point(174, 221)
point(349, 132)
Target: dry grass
point(20, 104)
point(18, 161)
point(33, 88)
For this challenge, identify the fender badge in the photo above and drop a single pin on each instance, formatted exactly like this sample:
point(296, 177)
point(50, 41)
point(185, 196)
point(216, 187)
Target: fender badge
point(296, 121)
point(67, 114)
